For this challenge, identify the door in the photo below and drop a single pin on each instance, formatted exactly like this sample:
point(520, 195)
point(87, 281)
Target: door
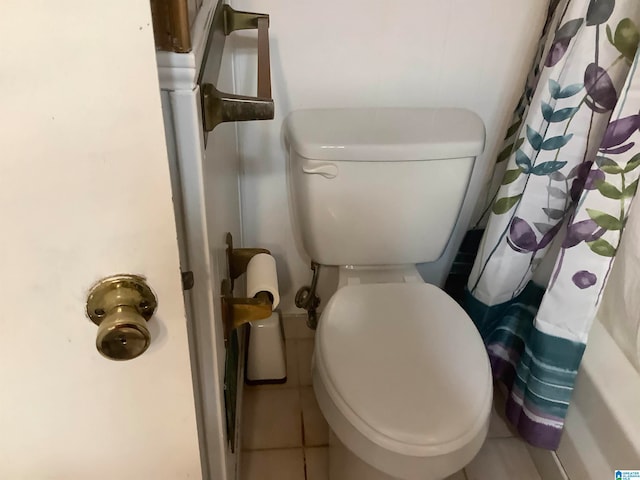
point(84, 194)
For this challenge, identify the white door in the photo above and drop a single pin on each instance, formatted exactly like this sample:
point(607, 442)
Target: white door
point(84, 194)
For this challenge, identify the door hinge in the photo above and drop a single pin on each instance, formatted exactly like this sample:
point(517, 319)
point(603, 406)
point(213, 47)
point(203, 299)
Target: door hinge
point(187, 280)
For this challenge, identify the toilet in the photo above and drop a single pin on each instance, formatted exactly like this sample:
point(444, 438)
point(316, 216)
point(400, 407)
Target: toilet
point(399, 370)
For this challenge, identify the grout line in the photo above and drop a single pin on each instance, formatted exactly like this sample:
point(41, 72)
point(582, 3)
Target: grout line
point(304, 463)
point(271, 448)
point(301, 416)
point(304, 452)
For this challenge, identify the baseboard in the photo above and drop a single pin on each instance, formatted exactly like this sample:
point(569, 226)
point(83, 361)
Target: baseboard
point(548, 464)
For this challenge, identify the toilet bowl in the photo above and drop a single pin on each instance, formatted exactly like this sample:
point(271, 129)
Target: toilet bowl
point(402, 377)
point(399, 371)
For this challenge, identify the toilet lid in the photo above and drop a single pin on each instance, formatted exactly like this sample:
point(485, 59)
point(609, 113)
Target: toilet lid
point(405, 365)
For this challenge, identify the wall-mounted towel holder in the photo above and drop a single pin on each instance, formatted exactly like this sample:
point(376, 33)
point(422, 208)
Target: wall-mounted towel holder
point(219, 107)
point(239, 311)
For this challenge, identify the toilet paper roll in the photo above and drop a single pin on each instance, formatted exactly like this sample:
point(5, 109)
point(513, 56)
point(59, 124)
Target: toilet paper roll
point(263, 277)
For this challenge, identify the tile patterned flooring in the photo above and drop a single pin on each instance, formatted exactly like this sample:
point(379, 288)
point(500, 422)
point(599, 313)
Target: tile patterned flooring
point(285, 436)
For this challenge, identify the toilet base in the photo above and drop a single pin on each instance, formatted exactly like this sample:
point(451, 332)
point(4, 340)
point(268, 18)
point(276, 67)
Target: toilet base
point(345, 465)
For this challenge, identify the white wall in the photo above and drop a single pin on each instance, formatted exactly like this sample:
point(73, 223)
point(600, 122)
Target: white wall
point(372, 53)
point(620, 308)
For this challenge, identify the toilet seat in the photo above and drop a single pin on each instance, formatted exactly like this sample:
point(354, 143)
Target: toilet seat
point(404, 365)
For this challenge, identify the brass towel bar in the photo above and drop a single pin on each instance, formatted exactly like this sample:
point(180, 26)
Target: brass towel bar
point(219, 107)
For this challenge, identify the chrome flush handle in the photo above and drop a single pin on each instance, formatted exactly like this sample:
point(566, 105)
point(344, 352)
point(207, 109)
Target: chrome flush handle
point(328, 170)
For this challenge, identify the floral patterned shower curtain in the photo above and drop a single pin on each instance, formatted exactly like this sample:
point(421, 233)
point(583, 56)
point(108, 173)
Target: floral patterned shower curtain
point(572, 161)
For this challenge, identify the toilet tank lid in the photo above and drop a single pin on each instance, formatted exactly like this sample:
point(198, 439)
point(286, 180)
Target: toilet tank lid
point(385, 134)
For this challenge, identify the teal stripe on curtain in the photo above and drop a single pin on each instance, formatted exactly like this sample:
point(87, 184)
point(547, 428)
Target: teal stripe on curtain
point(538, 369)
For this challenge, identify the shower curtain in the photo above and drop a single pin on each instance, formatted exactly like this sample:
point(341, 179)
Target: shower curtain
point(569, 172)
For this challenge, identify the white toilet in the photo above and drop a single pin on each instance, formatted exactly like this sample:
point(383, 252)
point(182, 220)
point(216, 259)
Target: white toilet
point(400, 371)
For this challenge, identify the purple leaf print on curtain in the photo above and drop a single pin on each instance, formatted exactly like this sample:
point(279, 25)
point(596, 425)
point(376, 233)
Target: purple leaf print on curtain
point(584, 231)
point(521, 237)
point(601, 94)
point(594, 178)
point(550, 235)
point(619, 132)
point(561, 41)
point(584, 279)
point(585, 179)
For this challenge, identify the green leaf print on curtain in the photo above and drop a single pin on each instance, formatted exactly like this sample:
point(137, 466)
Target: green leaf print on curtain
point(573, 160)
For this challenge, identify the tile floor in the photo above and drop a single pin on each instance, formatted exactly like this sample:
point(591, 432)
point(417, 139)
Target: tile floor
point(285, 436)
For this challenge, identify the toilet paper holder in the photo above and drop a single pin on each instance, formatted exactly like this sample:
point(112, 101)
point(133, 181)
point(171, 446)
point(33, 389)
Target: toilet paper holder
point(239, 311)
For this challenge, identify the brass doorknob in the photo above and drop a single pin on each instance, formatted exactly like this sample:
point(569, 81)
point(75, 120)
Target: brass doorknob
point(121, 305)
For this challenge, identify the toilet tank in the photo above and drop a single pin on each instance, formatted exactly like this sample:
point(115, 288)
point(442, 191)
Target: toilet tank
point(379, 186)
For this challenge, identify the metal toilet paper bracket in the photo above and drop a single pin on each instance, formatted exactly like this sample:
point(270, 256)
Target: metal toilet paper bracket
point(238, 311)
